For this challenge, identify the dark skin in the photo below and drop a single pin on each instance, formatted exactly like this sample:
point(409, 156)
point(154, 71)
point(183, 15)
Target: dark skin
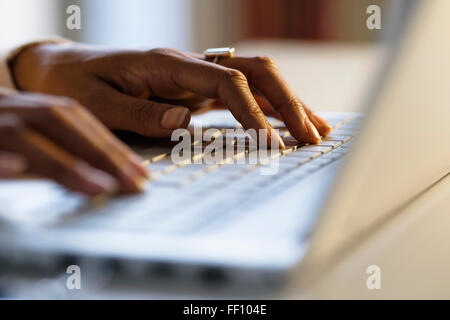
point(57, 138)
point(154, 92)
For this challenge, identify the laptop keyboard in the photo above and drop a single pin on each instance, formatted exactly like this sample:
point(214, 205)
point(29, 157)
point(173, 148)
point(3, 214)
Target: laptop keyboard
point(187, 198)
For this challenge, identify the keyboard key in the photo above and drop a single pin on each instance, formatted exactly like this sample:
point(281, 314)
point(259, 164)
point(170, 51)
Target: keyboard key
point(331, 143)
point(306, 153)
point(290, 142)
point(191, 190)
point(160, 157)
point(317, 148)
point(322, 161)
point(344, 131)
point(295, 159)
point(339, 137)
point(336, 122)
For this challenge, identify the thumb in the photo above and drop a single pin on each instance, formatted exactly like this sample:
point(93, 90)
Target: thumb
point(148, 118)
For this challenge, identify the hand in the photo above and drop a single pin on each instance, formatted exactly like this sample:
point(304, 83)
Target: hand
point(153, 92)
point(57, 138)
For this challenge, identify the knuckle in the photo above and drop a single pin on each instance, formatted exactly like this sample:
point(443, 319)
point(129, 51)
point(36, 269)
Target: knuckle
point(44, 100)
point(65, 103)
point(294, 102)
point(234, 76)
point(141, 114)
point(68, 103)
point(162, 52)
point(11, 125)
point(55, 108)
point(266, 63)
point(254, 111)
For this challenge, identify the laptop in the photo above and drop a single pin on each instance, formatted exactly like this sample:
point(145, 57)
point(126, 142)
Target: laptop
point(230, 223)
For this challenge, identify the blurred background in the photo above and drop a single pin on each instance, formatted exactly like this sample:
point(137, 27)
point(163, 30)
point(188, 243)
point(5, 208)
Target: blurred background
point(317, 43)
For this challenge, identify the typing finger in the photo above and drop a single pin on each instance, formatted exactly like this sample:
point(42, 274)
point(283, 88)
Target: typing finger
point(228, 85)
point(47, 159)
point(263, 73)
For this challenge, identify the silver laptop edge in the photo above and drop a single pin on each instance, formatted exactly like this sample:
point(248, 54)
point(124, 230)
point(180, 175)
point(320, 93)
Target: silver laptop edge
point(408, 125)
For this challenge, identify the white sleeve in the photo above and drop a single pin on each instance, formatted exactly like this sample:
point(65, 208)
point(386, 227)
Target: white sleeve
point(5, 75)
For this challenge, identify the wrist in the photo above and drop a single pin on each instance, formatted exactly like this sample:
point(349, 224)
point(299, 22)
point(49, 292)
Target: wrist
point(24, 67)
point(26, 62)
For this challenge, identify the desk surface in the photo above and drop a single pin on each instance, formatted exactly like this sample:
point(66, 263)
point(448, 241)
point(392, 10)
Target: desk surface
point(412, 251)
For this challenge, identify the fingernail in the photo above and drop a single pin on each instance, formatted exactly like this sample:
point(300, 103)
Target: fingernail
point(141, 184)
point(313, 130)
point(326, 127)
point(174, 117)
point(141, 166)
point(322, 124)
point(106, 182)
point(281, 145)
point(135, 182)
point(145, 163)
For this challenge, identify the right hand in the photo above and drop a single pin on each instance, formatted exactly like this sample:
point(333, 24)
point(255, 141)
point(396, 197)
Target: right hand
point(57, 138)
point(153, 92)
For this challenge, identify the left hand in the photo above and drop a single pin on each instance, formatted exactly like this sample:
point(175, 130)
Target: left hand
point(57, 138)
point(153, 92)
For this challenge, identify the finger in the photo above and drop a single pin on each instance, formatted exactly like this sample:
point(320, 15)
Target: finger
point(266, 107)
point(47, 159)
point(67, 124)
point(11, 164)
point(230, 86)
point(145, 117)
point(264, 75)
point(320, 123)
point(112, 143)
point(109, 153)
